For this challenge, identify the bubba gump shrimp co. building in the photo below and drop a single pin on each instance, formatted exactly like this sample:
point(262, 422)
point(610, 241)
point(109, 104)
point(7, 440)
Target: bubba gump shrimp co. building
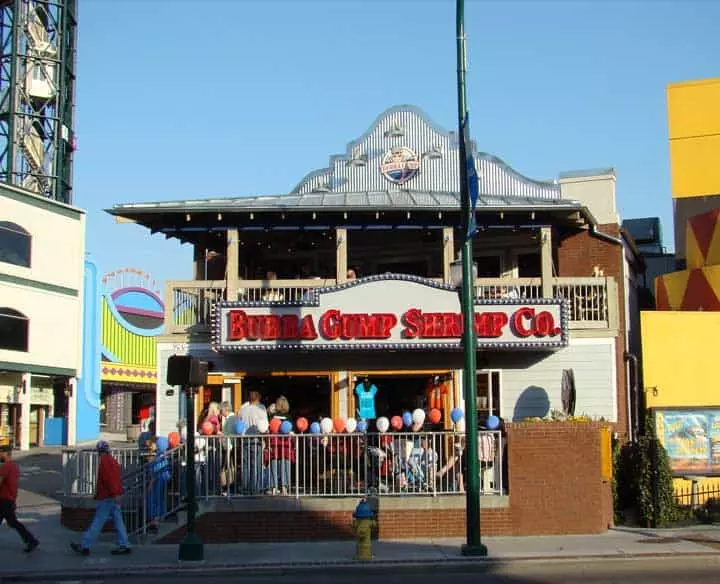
point(343, 287)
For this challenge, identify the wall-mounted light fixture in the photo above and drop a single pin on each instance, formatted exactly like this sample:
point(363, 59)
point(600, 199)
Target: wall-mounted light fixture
point(434, 153)
point(69, 389)
point(395, 131)
point(187, 217)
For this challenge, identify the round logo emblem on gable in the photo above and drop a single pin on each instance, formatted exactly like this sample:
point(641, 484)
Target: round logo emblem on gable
point(400, 164)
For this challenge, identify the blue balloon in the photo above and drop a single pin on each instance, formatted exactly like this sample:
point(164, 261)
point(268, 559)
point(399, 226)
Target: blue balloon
point(314, 428)
point(362, 426)
point(286, 427)
point(493, 423)
point(407, 419)
point(240, 427)
point(456, 415)
point(162, 444)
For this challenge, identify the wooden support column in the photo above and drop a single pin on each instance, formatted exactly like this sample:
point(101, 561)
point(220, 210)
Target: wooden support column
point(198, 262)
point(448, 252)
point(237, 397)
point(546, 261)
point(341, 254)
point(25, 392)
point(232, 266)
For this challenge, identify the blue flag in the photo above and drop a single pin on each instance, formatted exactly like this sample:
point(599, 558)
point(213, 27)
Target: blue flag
point(472, 176)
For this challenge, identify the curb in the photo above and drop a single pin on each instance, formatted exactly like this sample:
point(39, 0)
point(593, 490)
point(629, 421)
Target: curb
point(455, 565)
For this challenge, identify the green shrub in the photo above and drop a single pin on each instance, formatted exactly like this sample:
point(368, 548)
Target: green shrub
point(643, 486)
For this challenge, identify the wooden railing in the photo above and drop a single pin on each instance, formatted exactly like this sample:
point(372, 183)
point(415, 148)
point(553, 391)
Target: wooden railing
point(590, 301)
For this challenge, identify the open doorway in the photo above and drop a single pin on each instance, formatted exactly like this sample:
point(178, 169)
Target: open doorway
point(401, 392)
point(309, 395)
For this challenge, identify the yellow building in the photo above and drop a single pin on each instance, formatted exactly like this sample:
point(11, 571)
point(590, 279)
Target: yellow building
point(694, 135)
point(679, 339)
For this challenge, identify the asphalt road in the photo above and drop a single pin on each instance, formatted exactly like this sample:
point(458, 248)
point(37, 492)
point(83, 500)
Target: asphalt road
point(698, 570)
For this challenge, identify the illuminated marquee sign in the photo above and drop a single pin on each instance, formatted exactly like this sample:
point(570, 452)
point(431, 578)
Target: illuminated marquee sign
point(386, 312)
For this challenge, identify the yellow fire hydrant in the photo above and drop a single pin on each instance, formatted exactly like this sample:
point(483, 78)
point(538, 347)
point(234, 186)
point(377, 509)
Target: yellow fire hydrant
point(363, 524)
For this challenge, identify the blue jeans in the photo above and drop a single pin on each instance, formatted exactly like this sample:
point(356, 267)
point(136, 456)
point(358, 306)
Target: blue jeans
point(156, 498)
point(251, 477)
point(280, 474)
point(105, 509)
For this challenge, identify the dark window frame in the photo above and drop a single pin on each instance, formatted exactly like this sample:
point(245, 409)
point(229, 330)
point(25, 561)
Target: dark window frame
point(14, 330)
point(15, 236)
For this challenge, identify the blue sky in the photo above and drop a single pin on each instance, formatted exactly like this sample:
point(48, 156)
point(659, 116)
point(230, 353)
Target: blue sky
point(188, 99)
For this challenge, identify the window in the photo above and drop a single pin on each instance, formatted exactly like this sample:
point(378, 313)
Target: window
point(489, 266)
point(529, 265)
point(488, 394)
point(14, 244)
point(14, 331)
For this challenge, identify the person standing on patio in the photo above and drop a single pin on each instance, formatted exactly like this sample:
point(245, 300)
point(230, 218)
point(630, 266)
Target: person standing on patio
point(256, 421)
point(108, 490)
point(9, 477)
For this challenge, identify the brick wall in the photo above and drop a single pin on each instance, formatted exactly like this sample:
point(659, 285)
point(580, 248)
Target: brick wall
point(555, 479)
point(555, 487)
point(577, 255)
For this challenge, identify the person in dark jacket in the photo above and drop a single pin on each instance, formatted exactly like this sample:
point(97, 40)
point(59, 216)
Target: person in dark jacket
point(108, 491)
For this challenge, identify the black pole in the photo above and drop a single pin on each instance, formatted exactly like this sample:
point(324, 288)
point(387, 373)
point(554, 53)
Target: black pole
point(191, 547)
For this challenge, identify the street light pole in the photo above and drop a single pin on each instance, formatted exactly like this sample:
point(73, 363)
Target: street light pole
point(191, 547)
point(473, 545)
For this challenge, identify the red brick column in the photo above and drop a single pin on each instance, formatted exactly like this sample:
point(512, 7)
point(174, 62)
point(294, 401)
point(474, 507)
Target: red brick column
point(555, 479)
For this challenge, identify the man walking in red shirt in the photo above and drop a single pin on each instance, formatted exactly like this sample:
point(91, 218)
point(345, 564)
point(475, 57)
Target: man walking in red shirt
point(9, 477)
point(108, 491)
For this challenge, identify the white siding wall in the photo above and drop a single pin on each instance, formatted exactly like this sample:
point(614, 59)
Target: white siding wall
point(58, 255)
point(167, 408)
point(58, 244)
point(531, 389)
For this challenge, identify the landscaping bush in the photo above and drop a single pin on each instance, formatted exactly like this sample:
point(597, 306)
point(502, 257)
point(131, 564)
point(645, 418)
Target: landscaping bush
point(643, 482)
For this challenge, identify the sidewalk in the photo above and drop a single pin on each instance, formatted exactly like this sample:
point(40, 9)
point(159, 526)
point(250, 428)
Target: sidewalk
point(53, 559)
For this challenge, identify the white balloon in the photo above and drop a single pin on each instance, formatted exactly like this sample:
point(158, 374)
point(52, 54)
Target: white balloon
point(418, 416)
point(263, 426)
point(351, 425)
point(382, 424)
point(326, 426)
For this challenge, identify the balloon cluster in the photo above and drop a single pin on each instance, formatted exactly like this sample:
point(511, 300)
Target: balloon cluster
point(412, 420)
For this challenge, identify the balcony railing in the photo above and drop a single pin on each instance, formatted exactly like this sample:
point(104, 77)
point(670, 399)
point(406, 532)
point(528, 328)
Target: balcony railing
point(588, 299)
point(308, 465)
point(189, 303)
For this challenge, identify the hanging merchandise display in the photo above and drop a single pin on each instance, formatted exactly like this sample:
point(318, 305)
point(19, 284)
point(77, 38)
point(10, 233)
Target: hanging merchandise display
point(366, 393)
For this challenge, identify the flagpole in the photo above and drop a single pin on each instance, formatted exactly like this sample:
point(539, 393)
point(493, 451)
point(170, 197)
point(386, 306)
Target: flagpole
point(473, 545)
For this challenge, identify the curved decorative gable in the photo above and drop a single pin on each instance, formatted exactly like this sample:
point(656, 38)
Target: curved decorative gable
point(404, 150)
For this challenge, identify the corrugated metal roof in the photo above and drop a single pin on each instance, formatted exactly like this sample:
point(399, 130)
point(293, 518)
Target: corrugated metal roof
point(358, 170)
point(398, 200)
point(355, 180)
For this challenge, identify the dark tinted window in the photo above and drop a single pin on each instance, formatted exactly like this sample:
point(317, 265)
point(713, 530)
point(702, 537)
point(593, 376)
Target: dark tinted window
point(529, 265)
point(14, 244)
point(13, 330)
point(489, 266)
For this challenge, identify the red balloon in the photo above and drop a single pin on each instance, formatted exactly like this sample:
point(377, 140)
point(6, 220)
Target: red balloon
point(207, 428)
point(301, 424)
point(435, 416)
point(339, 425)
point(275, 424)
point(173, 440)
point(396, 423)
